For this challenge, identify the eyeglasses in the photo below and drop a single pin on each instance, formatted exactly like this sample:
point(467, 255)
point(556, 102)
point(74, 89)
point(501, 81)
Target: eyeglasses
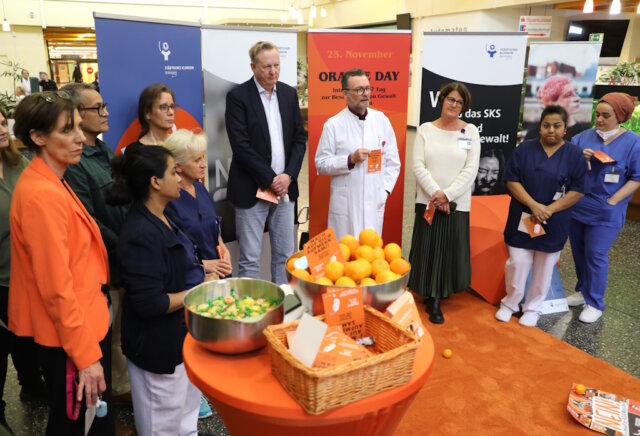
point(53, 96)
point(359, 90)
point(165, 107)
point(101, 109)
point(453, 102)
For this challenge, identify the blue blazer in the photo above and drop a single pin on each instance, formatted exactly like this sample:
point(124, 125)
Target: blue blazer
point(248, 133)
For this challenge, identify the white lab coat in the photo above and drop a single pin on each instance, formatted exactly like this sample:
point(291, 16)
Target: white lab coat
point(358, 197)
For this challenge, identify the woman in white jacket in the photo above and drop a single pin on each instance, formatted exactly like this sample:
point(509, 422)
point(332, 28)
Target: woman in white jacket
point(445, 162)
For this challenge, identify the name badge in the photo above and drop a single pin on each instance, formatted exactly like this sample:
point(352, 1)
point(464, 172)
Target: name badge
point(557, 196)
point(464, 143)
point(611, 178)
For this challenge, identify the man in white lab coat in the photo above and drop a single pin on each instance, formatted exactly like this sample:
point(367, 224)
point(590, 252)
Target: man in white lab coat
point(358, 150)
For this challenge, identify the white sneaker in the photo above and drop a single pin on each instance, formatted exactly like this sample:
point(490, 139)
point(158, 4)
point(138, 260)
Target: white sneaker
point(504, 313)
point(529, 319)
point(590, 314)
point(575, 300)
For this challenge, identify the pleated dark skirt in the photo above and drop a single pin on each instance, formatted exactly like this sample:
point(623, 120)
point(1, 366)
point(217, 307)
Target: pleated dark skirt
point(440, 255)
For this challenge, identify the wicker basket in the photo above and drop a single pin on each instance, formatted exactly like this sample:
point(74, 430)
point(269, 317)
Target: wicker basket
point(318, 390)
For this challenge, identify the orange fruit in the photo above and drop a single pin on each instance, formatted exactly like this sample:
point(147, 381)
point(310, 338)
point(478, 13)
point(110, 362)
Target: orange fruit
point(378, 252)
point(365, 252)
point(369, 237)
point(302, 274)
point(386, 276)
point(334, 270)
point(355, 270)
point(352, 243)
point(447, 353)
point(367, 281)
point(400, 266)
point(346, 252)
point(290, 262)
point(378, 265)
point(366, 266)
point(379, 244)
point(580, 389)
point(345, 281)
point(392, 251)
point(324, 281)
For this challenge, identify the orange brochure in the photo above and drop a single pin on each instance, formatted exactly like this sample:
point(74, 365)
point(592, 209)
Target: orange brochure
point(429, 212)
point(602, 156)
point(404, 312)
point(338, 348)
point(344, 307)
point(320, 250)
point(267, 195)
point(535, 229)
point(374, 160)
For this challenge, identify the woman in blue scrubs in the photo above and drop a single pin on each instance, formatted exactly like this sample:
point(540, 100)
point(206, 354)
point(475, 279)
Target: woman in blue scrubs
point(545, 177)
point(195, 206)
point(598, 218)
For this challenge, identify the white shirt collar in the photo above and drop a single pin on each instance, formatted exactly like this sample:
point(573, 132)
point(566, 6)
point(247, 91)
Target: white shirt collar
point(261, 89)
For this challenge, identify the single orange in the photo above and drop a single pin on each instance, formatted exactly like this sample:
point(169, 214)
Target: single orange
point(290, 262)
point(365, 252)
point(369, 237)
point(367, 281)
point(386, 276)
point(366, 266)
point(378, 252)
point(355, 270)
point(324, 281)
point(400, 266)
point(334, 270)
point(378, 265)
point(352, 243)
point(345, 281)
point(580, 389)
point(447, 353)
point(392, 251)
point(379, 243)
point(302, 274)
point(346, 252)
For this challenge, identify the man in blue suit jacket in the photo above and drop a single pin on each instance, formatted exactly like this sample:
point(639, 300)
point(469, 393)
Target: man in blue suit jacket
point(268, 141)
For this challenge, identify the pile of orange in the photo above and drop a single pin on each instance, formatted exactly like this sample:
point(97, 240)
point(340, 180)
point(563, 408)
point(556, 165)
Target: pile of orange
point(367, 261)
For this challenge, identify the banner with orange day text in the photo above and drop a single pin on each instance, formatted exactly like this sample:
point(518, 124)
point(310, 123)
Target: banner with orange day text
point(384, 56)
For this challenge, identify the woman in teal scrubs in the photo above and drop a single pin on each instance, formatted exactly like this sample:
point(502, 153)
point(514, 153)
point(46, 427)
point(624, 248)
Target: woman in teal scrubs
point(598, 218)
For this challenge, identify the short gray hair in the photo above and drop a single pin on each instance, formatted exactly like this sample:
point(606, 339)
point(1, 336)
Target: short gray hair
point(75, 90)
point(183, 144)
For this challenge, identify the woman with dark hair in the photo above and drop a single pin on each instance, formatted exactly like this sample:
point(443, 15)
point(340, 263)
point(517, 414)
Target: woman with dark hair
point(59, 268)
point(156, 114)
point(159, 264)
point(445, 162)
point(490, 172)
point(545, 178)
point(598, 218)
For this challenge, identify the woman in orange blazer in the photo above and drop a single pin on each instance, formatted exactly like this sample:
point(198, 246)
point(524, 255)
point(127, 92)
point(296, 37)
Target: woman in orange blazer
point(59, 267)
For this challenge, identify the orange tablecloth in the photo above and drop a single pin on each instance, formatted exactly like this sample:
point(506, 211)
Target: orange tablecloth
point(250, 400)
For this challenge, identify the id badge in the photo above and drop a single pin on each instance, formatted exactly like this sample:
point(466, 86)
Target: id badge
point(557, 196)
point(464, 143)
point(611, 178)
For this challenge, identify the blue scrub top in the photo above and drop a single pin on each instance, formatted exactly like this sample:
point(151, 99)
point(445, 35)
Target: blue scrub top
point(593, 208)
point(195, 270)
point(199, 218)
point(542, 177)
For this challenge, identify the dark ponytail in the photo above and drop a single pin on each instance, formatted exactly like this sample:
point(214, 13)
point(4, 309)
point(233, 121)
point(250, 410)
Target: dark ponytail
point(132, 173)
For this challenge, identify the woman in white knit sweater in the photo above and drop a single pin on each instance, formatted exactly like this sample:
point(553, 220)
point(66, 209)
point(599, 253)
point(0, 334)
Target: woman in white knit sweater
point(445, 162)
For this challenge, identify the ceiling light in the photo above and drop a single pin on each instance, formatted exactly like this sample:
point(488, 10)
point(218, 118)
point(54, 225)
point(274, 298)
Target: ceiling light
point(638, 10)
point(292, 11)
point(588, 7)
point(284, 17)
point(310, 21)
point(312, 12)
point(323, 12)
point(615, 7)
point(5, 26)
point(300, 20)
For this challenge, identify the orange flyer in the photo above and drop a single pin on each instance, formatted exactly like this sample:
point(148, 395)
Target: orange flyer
point(603, 157)
point(374, 160)
point(344, 307)
point(320, 250)
point(429, 212)
point(404, 312)
point(535, 229)
point(336, 348)
point(267, 195)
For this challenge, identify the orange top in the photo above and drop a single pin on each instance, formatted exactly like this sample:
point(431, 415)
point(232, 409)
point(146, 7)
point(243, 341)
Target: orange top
point(58, 265)
point(245, 382)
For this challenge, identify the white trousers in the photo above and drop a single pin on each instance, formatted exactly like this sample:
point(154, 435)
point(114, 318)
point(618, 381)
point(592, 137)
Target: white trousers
point(516, 272)
point(164, 404)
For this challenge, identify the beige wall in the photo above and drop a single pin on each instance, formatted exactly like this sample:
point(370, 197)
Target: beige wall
point(24, 45)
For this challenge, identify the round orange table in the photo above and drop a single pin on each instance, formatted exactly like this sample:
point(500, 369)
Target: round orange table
point(249, 399)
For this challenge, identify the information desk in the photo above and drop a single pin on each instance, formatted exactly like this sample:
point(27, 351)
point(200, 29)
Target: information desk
point(250, 400)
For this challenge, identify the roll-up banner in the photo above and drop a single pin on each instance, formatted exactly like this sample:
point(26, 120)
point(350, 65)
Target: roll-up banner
point(134, 53)
point(384, 55)
point(560, 73)
point(492, 67)
point(226, 63)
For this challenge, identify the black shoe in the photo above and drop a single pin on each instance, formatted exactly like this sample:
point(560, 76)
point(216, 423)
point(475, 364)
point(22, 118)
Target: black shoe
point(34, 393)
point(433, 309)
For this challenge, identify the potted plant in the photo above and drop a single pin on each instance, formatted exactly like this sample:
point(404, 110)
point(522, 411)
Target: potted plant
point(625, 73)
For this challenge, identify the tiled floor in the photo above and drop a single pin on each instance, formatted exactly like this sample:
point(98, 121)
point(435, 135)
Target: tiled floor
point(613, 338)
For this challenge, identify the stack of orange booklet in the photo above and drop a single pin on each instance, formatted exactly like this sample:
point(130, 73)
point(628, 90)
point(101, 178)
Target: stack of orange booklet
point(337, 348)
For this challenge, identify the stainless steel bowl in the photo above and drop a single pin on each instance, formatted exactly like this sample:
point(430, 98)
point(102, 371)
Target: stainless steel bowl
point(230, 336)
point(377, 296)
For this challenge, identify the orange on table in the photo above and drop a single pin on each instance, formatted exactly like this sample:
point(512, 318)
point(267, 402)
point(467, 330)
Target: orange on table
point(351, 242)
point(365, 252)
point(334, 270)
point(302, 274)
point(386, 276)
point(346, 252)
point(367, 281)
point(324, 281)
point(379, 265)
point(378, 252)
point(392, 251)
point(400, 266)
point(369, 237)
point(345, 281)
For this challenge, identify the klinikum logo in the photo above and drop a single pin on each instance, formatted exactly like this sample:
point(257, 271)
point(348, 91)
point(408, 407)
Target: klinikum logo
point(491, 49)
point(164, 49)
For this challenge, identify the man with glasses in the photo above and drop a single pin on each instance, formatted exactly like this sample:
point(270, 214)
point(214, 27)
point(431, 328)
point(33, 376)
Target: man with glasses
point(90, 179)
point(358, 150)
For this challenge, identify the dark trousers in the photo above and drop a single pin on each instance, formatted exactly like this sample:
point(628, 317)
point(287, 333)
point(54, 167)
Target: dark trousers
point(23, 353)
point(54, 369)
